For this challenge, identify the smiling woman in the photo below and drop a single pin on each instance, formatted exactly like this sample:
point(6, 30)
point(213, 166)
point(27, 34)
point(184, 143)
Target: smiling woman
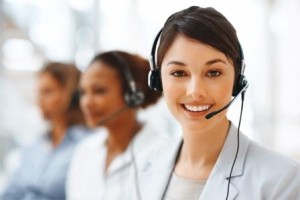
point(200, 79)
point(199, 69)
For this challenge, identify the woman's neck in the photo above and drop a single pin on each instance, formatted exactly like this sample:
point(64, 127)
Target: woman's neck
point(59, 128)
point(200, 151)
point(121, 132)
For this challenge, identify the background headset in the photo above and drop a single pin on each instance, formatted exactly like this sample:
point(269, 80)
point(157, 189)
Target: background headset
point(133, 96)
point(240, 87)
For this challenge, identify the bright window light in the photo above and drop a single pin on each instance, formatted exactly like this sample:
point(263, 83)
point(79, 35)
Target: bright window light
point(19, 54)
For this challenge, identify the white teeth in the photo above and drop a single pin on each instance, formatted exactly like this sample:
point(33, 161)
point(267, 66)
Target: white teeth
point(197, 108)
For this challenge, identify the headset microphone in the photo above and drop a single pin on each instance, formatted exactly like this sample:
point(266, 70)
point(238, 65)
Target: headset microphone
point(113, 115)
point(242, 91)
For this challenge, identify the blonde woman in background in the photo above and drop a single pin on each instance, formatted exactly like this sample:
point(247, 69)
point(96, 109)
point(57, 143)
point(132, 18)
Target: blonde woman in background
point(44, 165)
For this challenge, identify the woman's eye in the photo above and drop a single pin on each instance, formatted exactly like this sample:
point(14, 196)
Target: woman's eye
point(214, 73)
point(178, 73)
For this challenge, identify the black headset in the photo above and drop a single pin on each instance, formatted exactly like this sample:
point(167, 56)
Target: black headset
point(154, 78)
point(134, 97)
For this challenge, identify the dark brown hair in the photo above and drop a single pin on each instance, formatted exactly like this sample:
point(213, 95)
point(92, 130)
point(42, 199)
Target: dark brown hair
point(138, 68)
point(206, 25)
point(67, 75)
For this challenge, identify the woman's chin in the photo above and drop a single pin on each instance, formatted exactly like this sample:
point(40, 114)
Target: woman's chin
point(196, 124)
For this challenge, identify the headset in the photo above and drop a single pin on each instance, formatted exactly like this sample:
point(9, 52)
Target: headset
point(134, 97)
point(154, 78)
point(240, 87)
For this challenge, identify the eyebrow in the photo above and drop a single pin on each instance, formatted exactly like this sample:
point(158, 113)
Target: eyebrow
point(211, 62)
point(176, 63)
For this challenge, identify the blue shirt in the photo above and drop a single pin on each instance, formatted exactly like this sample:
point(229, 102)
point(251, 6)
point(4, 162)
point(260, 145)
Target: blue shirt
point(43, 170)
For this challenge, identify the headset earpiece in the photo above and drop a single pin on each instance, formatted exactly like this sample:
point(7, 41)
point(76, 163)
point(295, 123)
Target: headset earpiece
point(134, 99)
point(154, 80)
point(241, 82)
point(239, 85)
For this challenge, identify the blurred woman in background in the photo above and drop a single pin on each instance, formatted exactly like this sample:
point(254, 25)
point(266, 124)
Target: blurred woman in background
point(113, 89)
point(44, 165)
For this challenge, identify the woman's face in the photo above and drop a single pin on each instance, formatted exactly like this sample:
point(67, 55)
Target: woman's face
point(101, 93)
point(197, 79)
point(52, 96)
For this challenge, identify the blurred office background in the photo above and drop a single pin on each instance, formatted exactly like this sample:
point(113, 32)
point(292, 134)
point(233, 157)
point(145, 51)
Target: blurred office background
point(34, 31)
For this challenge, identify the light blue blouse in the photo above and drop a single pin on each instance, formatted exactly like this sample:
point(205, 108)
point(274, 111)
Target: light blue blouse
point(43, 170)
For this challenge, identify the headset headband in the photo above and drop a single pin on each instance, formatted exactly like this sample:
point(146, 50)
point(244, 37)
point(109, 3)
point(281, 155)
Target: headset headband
point(128, 76)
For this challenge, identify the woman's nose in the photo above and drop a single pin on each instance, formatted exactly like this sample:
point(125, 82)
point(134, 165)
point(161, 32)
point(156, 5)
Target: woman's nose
point(196, 88)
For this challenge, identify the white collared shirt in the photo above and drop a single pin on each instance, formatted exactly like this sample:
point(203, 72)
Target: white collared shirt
point(87, 178)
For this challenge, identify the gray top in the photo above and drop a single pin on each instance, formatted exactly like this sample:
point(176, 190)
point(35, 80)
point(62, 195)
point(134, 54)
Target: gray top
point(184, 189)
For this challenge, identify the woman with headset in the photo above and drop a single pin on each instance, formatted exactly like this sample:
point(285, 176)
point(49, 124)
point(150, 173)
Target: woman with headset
point(113, 89)
point(44, 165)
point(199, 69)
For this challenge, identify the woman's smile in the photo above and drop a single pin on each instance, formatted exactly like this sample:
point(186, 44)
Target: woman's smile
point(196, 108)
point(196, 111)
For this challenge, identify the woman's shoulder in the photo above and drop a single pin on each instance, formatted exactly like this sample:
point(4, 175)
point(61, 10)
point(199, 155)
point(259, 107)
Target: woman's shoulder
point(162, 151)
point(88, 149)
point(276, 173)
point(259, 157)
point(150, 138)
point(93, 140)
point(78, 132)
point(274, 160)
